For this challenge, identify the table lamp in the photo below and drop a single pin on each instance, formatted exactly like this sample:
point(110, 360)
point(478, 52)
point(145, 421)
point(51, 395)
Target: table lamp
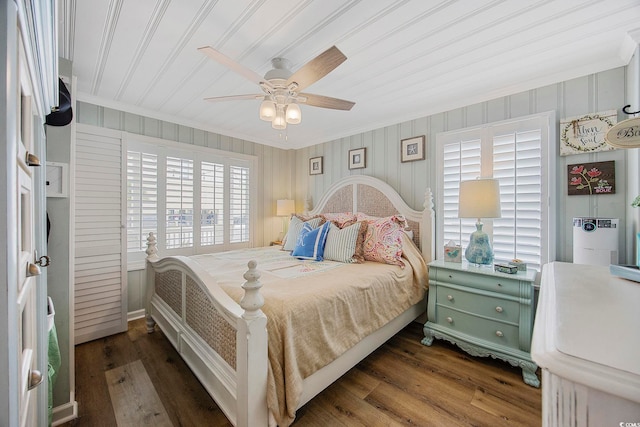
point(479, 198)
point(284, 208)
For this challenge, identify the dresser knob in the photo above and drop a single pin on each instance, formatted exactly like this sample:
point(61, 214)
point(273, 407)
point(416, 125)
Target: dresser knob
point(499, 309)
point(499, 334)
point(450, 298)
point(499, 284)
point(449, 319)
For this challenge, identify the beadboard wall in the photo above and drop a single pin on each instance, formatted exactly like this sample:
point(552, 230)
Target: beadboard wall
point(593, 93)
point(284, 173)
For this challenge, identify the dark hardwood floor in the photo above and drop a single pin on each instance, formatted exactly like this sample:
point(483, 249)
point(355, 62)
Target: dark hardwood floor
point(401, 383)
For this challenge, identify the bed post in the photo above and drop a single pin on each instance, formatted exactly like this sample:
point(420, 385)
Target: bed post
point(252, 357)
point(152, 255)
point(427, 228)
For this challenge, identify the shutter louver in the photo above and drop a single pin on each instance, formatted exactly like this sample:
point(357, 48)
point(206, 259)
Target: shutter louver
point(179, 203)
point(239, 204)
point(212, 204)
point(142, 199)
point(100, 278)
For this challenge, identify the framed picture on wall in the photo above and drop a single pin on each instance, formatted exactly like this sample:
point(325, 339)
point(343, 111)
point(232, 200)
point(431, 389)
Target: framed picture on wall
point(358, 158)
point(591, 178)
point(412, 149)
point(315, 165)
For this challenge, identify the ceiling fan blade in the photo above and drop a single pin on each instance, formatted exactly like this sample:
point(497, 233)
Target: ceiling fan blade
point(230, 63)
point(234, 97)
point(326, 102)
point(316, 69)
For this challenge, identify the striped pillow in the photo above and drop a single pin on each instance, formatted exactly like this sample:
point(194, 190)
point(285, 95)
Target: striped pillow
point(342, 244)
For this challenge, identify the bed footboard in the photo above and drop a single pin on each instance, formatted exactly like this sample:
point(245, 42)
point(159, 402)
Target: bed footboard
point(223, 342)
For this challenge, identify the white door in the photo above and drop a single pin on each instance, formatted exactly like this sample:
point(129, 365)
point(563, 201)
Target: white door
point(23, 355)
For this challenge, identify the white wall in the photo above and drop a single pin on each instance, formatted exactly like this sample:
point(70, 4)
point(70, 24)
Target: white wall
point(594, 93)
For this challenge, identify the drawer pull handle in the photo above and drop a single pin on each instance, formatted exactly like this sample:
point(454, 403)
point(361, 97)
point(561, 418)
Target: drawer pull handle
point(450, 297)
point(449, 319)
point(499, 284)
point(499, 309)
point(450, 277)
point(499, 334)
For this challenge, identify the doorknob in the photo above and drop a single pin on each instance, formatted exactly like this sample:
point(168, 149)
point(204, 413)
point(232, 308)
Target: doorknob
point(32, 159)
point(33, 270)
point(35, 378)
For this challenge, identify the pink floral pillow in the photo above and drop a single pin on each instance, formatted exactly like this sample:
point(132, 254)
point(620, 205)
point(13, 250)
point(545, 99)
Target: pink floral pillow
point(341, 219)
point(383, 241)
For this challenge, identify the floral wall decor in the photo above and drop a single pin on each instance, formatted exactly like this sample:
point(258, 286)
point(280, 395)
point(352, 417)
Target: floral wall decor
point(586, 134)
point(592, 178)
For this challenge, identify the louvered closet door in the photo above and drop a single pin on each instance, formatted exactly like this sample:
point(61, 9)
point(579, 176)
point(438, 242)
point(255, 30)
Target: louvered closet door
point(100, 271)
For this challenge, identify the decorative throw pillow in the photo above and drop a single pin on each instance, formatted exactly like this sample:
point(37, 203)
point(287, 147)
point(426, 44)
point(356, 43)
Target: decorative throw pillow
point(383, 242)
point(364, 217)
point(295, 225)
point(311, 242)
point(341, 219)
point(342, 244)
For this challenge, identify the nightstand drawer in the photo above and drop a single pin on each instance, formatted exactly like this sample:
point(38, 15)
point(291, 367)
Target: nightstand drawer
point(488, 306)
point(479, 281)
point(484, 329)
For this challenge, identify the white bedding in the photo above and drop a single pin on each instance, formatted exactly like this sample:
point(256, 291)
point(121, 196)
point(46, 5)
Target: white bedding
point(317, 310)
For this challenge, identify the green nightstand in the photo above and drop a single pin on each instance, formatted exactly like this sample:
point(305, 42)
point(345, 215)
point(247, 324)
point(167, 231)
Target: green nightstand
point(483, 312)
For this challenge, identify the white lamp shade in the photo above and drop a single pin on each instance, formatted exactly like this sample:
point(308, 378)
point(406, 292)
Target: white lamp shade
point(279, 122)
point(285, 207)
point(294, 115)
point(479, 198)
point(267, 110)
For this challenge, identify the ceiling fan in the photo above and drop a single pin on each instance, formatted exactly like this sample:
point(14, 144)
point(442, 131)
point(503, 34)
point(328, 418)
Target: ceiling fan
point(282, 88)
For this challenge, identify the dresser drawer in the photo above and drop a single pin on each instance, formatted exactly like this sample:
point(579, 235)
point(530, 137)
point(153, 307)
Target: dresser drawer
point(488, 306)
point(484, 329)
point(479, 281)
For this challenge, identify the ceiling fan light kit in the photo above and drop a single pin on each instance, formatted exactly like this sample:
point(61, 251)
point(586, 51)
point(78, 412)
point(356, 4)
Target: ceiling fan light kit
point(282, 88)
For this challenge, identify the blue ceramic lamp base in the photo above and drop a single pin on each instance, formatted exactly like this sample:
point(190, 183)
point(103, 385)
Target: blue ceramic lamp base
point(479, 250)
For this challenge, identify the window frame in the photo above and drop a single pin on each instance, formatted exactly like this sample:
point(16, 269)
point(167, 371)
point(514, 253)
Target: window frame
point(165, 148)
point(486, 133)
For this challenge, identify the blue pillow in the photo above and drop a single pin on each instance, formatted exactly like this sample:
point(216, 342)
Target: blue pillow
point(310, 243)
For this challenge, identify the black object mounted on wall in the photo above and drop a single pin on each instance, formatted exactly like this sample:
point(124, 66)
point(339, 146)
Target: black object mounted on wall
point(63, 114)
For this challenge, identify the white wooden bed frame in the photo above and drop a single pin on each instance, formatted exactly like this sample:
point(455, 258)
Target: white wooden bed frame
point(241, 392)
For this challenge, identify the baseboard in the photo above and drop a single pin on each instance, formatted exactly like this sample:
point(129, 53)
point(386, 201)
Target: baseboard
point(138, 314)
point(63, 413)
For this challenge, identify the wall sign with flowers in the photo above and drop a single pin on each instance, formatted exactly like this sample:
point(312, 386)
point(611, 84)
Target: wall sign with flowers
point(592, 178)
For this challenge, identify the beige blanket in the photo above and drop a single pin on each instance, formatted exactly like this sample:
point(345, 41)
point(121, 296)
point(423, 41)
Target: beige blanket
point(319, 310)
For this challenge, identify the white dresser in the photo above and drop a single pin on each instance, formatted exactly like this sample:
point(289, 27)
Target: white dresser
point(586, 339)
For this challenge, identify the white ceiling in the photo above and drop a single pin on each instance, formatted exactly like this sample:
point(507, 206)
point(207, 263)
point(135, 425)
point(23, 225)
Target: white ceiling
point(406, 59)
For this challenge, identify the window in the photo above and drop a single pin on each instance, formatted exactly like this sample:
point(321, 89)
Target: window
point(196, 200)
point(517, 154)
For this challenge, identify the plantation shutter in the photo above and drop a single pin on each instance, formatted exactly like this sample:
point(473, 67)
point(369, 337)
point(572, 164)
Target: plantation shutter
point(100, 297)
point(513, 153)
point(179, 203)
point(211, 204)
point(462, 162)
point(239, 204)
point(517, 164)
point(142, 198)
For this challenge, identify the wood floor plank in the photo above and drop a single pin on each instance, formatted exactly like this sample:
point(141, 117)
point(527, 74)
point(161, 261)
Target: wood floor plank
point(133, 397)
point(401, 383)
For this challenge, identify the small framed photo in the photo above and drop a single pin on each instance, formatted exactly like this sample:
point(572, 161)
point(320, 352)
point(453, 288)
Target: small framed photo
point(358, 158)
point(315, 166)
point(412, 149)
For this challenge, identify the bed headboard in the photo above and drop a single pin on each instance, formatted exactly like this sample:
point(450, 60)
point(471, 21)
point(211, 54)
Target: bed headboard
point(369, 195)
